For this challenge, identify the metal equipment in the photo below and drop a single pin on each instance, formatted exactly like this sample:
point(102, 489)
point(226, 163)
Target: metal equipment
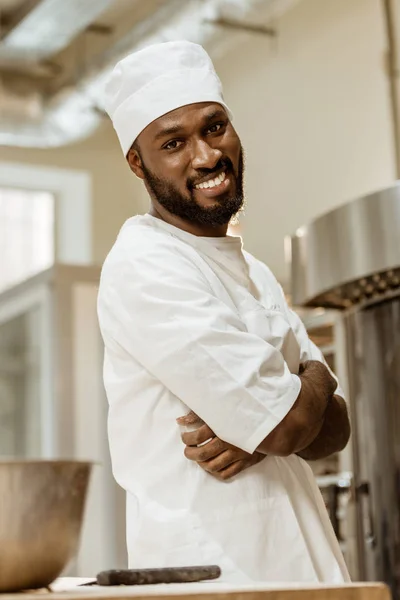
point(349, 259)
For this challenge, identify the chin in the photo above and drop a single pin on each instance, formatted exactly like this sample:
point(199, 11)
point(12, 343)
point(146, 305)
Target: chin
point(210, 202)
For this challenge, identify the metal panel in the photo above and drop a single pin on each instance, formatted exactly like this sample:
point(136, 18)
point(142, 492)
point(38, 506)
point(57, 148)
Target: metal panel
point(374, 381)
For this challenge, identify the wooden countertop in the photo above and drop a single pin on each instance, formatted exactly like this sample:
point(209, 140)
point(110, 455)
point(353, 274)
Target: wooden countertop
point(62, 590)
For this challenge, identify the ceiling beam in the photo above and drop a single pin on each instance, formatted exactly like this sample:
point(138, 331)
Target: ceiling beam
point(49, 27)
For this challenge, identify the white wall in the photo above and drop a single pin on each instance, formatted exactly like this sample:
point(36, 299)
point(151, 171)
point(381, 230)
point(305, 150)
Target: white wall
point(313, 111)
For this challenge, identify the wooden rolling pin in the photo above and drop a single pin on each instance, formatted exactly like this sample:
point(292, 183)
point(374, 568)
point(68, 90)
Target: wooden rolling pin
point(152, 576)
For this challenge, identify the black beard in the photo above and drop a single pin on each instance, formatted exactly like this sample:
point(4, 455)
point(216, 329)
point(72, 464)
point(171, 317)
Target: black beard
point(187, 207)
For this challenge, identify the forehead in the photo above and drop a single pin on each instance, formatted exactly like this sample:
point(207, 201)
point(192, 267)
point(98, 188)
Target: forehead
point(185, 117)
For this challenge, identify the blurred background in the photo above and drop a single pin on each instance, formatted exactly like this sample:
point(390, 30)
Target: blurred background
point(314, 86)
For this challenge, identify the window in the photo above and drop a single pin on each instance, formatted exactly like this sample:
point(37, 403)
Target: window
point(26, 234)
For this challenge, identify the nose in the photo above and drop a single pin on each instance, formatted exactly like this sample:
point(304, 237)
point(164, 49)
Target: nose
point(205, 156)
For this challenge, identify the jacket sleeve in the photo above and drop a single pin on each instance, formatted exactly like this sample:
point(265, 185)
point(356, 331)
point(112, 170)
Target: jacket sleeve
point(308, 350)
point(159, 307)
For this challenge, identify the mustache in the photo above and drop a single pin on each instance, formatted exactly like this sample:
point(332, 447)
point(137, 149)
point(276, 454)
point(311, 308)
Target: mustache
point(201, 173)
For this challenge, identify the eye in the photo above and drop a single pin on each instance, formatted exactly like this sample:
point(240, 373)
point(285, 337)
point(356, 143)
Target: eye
point(172, 145)
point(216, 127)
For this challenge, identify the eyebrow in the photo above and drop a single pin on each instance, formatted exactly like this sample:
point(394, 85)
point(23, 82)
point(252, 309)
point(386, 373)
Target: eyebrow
point(168, 131)
point(174, 129)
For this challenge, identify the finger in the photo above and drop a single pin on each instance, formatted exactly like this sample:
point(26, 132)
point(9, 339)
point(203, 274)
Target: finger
point(232, 470)
point(227, 457)
point(207, 451)
point(201, 435)
point(220, 462)
point(190, 419)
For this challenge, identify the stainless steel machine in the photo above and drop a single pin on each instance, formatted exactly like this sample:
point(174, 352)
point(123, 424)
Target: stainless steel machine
point(349, 259)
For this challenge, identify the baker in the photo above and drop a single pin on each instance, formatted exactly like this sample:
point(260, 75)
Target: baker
point(216, 394)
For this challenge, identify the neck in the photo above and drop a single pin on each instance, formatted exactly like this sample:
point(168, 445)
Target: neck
point(193, 228)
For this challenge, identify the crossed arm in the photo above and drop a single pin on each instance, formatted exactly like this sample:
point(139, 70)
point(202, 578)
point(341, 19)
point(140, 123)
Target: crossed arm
point(316, 427)
point(159, 307)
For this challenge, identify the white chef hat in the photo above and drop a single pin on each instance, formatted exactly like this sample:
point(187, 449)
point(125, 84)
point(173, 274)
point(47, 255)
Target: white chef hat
point(151, 82)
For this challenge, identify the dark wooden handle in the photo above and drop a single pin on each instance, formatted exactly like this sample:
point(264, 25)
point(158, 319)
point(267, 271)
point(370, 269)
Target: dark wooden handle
point(151, 576)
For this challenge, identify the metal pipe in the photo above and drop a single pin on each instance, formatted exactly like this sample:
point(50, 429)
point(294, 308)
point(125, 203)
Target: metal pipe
point(391, 10)
point(246, 27)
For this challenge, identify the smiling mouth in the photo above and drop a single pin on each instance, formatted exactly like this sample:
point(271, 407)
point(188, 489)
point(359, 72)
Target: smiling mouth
point(215, 186)
point(211, 183)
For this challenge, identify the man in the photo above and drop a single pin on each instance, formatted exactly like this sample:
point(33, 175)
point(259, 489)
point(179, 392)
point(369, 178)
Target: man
point(201, 348)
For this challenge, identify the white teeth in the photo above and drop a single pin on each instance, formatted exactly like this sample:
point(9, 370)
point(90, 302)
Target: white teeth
point(211, 182)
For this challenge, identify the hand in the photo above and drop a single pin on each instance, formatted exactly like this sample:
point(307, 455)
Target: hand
point(222, 460)
point(319, 386)
point(316, 375)
point(302, 424)
point(334, 434)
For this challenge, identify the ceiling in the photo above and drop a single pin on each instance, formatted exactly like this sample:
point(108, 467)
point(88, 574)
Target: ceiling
point(56, 54)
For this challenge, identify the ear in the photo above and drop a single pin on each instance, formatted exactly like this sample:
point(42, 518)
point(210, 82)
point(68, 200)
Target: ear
point(135, 163)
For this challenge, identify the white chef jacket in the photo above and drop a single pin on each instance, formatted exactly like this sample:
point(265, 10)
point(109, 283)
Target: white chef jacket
point(193, 323)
